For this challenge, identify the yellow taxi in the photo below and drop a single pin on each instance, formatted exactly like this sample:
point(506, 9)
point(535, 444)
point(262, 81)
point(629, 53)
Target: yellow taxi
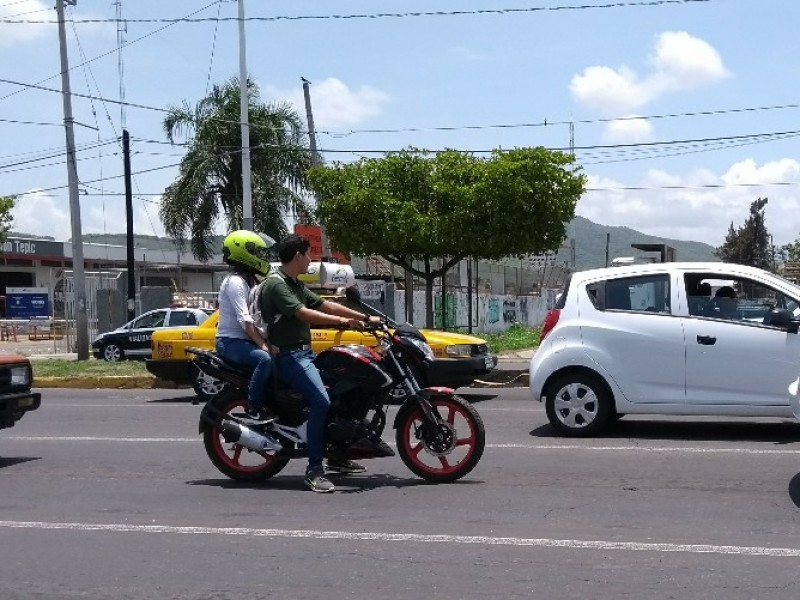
point(460, 359)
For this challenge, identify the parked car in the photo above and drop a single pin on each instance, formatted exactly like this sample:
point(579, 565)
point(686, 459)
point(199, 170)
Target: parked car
point(16, 398)
point(460, 359)
point(657, 339)
point(132, 340)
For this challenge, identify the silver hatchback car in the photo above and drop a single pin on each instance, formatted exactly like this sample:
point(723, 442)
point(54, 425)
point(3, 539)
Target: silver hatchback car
point(667, 338)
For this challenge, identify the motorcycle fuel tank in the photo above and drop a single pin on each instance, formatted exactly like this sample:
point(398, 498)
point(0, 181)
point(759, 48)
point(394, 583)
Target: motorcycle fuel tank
point(359, 363)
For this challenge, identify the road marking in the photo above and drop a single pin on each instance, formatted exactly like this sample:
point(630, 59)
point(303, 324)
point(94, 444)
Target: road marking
point(413, 538)
point(544, 447)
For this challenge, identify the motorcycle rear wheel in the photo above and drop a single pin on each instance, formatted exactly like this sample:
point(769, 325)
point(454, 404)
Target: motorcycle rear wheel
point(233, 460)
point(451, 454)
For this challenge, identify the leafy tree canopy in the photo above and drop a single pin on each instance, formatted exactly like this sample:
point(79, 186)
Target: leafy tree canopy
point(209, 185)
point(411, 205)
point(750, 243)
point(6, 204)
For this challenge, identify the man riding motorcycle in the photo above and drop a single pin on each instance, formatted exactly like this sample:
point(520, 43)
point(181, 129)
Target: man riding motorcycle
point(289, 309)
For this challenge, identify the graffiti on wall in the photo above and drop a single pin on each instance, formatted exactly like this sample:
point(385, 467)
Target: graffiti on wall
point(448, 310)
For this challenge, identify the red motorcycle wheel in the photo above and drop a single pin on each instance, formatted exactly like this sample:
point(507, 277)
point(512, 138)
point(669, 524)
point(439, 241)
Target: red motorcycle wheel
point(233, 460)
point(453, 452)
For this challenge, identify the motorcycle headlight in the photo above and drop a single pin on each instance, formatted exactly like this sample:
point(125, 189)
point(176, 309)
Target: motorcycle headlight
point(459, 350)
point(20, 376)
point(423, 347)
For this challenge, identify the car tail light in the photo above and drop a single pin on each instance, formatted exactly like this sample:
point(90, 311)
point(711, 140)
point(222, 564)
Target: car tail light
point(549, 322)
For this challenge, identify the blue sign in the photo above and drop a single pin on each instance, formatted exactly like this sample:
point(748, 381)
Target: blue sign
point(26, 305)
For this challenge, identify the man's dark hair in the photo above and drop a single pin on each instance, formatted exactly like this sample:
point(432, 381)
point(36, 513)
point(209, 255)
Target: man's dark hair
point(291, 245)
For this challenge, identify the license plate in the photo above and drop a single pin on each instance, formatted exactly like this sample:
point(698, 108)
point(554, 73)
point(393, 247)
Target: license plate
point(489, 362)
point(24, 402)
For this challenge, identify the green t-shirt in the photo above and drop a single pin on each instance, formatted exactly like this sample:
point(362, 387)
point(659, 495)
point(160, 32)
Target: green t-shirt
point(283, 296)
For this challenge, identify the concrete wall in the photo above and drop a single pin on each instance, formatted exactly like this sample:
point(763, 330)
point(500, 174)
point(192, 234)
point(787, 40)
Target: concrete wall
point(491, 313)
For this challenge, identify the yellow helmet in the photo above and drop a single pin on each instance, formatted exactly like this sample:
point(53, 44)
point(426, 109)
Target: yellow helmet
point(248, 250)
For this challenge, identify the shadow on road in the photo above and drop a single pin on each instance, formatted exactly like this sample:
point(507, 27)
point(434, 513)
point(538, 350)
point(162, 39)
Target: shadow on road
point(352, 484)
point(794, 490)
point(10, 461)
point(175, 399)
point(782, 433)
point(474, 398)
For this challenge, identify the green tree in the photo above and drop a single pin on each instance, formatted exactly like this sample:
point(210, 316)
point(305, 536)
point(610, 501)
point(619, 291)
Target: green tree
point(412, 206)
point(6, 204)
point(209, 186)
point(750, 243)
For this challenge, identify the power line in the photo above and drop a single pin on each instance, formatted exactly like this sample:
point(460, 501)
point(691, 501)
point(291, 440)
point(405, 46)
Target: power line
point(546, 123)
point(437, 13)
point(693, 187)
point(31, 123)
point(341, 134)
point(61, 187)
point(102, 192)
point(139, 39)
point(91, 146)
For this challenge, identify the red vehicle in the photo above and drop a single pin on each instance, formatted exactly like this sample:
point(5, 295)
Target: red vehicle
point(16, 398)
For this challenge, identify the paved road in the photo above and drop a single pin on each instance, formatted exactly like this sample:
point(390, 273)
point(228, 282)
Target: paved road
point(108, 495)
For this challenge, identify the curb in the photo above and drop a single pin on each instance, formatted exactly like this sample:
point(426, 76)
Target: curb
point(504, 378)
point(104, 382)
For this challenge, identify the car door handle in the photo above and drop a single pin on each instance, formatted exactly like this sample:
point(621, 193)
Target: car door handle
point(706, 340)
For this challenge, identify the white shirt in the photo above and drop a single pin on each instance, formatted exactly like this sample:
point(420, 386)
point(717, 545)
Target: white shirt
point(233, 311)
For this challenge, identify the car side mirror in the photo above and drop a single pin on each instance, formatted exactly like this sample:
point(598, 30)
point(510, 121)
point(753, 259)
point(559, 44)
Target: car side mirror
point(353, 294)
point(781, 318)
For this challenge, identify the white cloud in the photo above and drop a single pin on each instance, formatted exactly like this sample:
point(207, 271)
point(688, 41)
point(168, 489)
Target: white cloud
point(612, 92)
point(12, 34)
point(17, 33)
point(694, 212)
point(334, 104)
point(679, 62)
point(40, 213)
point(628, 131)
point(683, 62)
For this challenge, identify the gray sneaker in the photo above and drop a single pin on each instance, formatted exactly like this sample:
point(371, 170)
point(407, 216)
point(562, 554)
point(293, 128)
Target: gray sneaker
point(343, 465)
point(316, 482)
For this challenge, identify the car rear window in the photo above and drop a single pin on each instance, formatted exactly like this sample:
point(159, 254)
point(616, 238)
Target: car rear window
point(649, 293)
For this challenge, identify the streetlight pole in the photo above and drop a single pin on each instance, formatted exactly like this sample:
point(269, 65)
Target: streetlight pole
point(244, 112)
point(315, 160)
point(78, 279)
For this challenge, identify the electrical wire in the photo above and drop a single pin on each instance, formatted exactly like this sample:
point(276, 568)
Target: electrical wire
point(395, 15)
point(139, 39)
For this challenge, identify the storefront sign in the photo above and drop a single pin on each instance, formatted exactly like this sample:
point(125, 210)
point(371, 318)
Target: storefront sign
point(32, 248)
point(25, 303)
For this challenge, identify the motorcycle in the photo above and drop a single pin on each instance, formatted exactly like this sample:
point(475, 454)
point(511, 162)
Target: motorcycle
point(439, 435)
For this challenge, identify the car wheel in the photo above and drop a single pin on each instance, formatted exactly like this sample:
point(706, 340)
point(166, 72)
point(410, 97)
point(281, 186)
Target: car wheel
point(206, 387)
point(112, 352)
point(578, 405)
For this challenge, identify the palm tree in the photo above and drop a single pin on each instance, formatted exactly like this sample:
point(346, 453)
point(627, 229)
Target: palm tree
point(209, 186)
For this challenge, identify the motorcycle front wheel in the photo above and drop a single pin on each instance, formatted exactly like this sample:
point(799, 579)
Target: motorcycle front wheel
point(449, 451)
point(231, 459)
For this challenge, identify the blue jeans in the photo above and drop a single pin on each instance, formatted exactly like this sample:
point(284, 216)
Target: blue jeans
point(245, 352)
point(297, 370)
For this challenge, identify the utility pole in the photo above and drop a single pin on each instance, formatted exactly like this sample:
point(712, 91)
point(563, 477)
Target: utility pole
point(315, 160)
point(244, 112)
point(79, 281)
point(126, 161)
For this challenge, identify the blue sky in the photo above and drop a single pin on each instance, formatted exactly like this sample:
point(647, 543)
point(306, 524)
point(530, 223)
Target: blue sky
point(665, 98)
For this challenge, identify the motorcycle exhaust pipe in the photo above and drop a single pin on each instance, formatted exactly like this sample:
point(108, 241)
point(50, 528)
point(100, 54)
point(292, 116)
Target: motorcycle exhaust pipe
point(236, 433)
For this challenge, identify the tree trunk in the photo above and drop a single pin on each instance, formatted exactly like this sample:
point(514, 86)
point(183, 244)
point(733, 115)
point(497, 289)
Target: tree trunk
point(428, 295)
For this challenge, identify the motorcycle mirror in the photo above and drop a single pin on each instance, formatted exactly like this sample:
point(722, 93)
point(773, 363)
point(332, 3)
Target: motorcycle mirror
point(353, 294)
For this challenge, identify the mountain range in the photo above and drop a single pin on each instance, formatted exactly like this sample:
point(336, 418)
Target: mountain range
point(590, 244)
